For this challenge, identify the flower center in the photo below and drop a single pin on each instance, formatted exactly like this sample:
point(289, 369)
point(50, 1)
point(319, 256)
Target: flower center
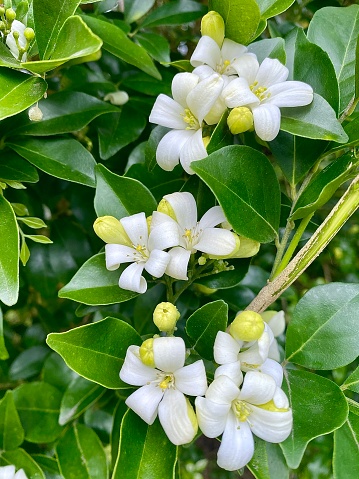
point(191, 236)
point(260, 91)
point(223, 67)
point(241, 409)
point(191, 120)
point(166, 380)
point(141, 253)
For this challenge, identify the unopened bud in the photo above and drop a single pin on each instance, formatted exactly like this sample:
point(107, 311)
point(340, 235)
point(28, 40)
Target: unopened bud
point(146, 353)
point(206, 141)
point(29, 34)
point(16, 34)
point(240, 120)
point(111, 231)
point(236, 246)
point(117, 98)
point(212, 25)
point(192, 416)
point(247, 326)
point(165, 317)
point(10, 15)
point(2, 10)
point(149, 221)
point(35, 114)
point(247, 248)
point(165, 208)
point(275, 320)
point(2, 26)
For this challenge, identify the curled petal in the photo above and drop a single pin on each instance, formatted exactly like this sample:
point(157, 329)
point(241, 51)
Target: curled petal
point(164, 236)
point(232, 370)
point(182, 85)
point(266, 119)
point(212, 217)
point(222, 390)
point(160, 219)
point(237, 93)
point(277, 323)
point(207, 51)
point(290, 93)
point(133, 370)
point(167, 112)
point(201, 99)
point(132, 279)
point(117, 254)
point(136, 228)
point(169, 353)
point(145, 401)
point(192, 150)
point(178, 265)
point(157, 263)
point(270, 72)
point(211, 416)
point(237, 446)
point(246, 67)
point(216, 241)
point(257, 388)
point(185, 209)
point(271, 426)
point(280, 399)
point(169, 148)
point(191, 379)
point(274, 369)
point(226, 348)
point(203, 71)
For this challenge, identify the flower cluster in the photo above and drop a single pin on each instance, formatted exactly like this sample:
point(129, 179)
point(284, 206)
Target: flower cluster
point(173, 227)
point(18, 36)
point(245, 397)
point(225, 76)
point(8, 472)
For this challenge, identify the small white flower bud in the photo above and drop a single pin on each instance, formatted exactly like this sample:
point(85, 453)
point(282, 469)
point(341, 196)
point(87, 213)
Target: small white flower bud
point(240, 120)
point(111, 231)
point(247, 326)
point(165, 317)
point(212, 25)
point(117, 98)
point(35, 114)
point(146, 353)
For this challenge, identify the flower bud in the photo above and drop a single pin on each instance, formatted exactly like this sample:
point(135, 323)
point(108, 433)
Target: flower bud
point(146, 353)
point(275, 320)
point(240, 120)
point(29, 34)
point(206, 140)
point(35, 114)
point(117, 98)
point(212, 25)
point(2, 10)
point(16, 34)
point(247, 248)
point(247, 326)
point(166, 208)
point(165, 317)
point(237, 245)
point(2, 26)
point(192, 417)
point(10, 15)
point(111, 231)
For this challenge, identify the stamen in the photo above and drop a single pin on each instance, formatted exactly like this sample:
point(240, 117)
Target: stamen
point(191, 120)
point(241, 409)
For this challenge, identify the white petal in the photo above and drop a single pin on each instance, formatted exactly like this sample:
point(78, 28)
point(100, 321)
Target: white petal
point(167, 112)
point(133, 370)
point(231, 50)
point(10, 41)
point(132, 280)
point(192, 150)
point(266, 119)
point(145, 401)
point(222, 390)
point(212, 218)
point(257, 388)
point(117, 254)
point(169, 148)
point(7, 472)
point(216, 241)
point(280, 399)
point(211, 416)
point(169, 353)
point(173, 416)
point(247, 67)
point(237, 93)
point(216, 112)
point(136, 228)
point(185, 209)
point(271, 426)
point(225, 348)
point(270, 72)
point(164, 236)
point(277, 323)
point(207, 51)
point(274, 369)
point(178, 265)
point(203, 71)
point(20, 474)
point(237, 446)
point(157, 263)
point(182, 85)
point(273, 352)
point(159, 219)
point(290, 93)
point(191, 379)
point(201, 99)
point(232, 370)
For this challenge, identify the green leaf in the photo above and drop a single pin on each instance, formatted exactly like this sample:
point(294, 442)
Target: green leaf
point(336, 31)
point(7, 59)
point(38, 405)
point(143, 83)
point(3, 351)
point(119, 196)
point(352, 130)
point(33, 222)
point(346, 449)
point(135, 9)
point(75, 40)
point(352, 382)
point(221, 135)
point(269, 48)
point(246, 186)
point(81, 454)
point(155, 137)
point(49, 465)
point(56, 373)
point(307, 121)
point(323, 186)
point(268, 461)
point(19, 91)
point(28, 363)
point(118, 414)
point(270, 8)
point(9, 254)
point(323, 333)
point(175, 13)
point(203, 325)
point(241, 18)
point(39, 239)
point(145, 451)
point(21, 460)
point(63, 158)
point(11, 431)
point(79, 396)
point(156, 45)
point(319, 407)
point(96, 351)
point(116, 42)
point(227, 279)
point(13, 167)
point(24, 252)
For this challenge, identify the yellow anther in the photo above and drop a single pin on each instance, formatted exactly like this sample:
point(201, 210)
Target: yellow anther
point(166, 382)
point(241, 410)
point(191, 120)
point(226, 63)
point(187, 233)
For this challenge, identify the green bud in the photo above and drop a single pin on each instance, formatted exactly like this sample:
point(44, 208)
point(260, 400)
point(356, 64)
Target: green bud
point(29, 34)
point(212, 25)
point(111, 231)
point(166, 208)
point(146, 353)
point(2, 26)
point(165, 317)
point(10, 15)
point(2, 11)
point(16, 34)
point(247, 248)
point(240, 120)
point(247, 326)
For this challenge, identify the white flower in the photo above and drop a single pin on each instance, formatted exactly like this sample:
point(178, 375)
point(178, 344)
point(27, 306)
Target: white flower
point(164, 387)
point(259, 407)
point(194, 235)
point(8, 472)
point(142, 249)
point(10, 40)
point(264, 89)
point(184, 114)
point(276, 322)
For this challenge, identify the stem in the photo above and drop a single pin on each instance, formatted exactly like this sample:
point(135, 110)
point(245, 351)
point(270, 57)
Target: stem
point(349, 109)
point(195, 276)
point(169, 292)
point(341, 212)
point(281, 247)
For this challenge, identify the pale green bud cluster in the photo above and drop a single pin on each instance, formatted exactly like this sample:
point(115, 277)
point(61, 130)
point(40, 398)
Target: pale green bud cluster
point(240, 120)
point(165, 317)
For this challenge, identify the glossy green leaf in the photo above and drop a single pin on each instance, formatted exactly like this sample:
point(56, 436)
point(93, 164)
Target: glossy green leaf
point(28, 363)
point(336, 31)
point(221, 135)
point(270, 8)
point(32, 222)
point(323, 186)
point(19, 91)
point(145, 451)
point(227, 279)
point(39, 239)
point(156, 45)
point(11, 430)
point(175, 13)
point(246, 186)
point(3, 351)
point(269, 48)
point(319, 407)
point(346, 449)
point(63, 158)
point(352, 382)
point(49, 465)
point(96, 351)
point(118, 414)
point(352, 130)
point(38, 405)
point(7, 59)
point(268, 461)
point(22, 460)
point(56, 373)
point(155, 137)
point(307, 121)
point(9, 254)
point(119, 196)
point(13, 167)
point(203, 325)
point(135, 9)
point(322, 333)
point(49, 19)
point(81, 454)
point(117, 42)
point(143, 83)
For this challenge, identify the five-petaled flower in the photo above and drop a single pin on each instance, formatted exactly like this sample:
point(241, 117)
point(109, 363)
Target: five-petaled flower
point(8, 472)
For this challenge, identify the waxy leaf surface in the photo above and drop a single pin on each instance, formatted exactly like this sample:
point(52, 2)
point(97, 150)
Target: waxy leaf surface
point(9, 254)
